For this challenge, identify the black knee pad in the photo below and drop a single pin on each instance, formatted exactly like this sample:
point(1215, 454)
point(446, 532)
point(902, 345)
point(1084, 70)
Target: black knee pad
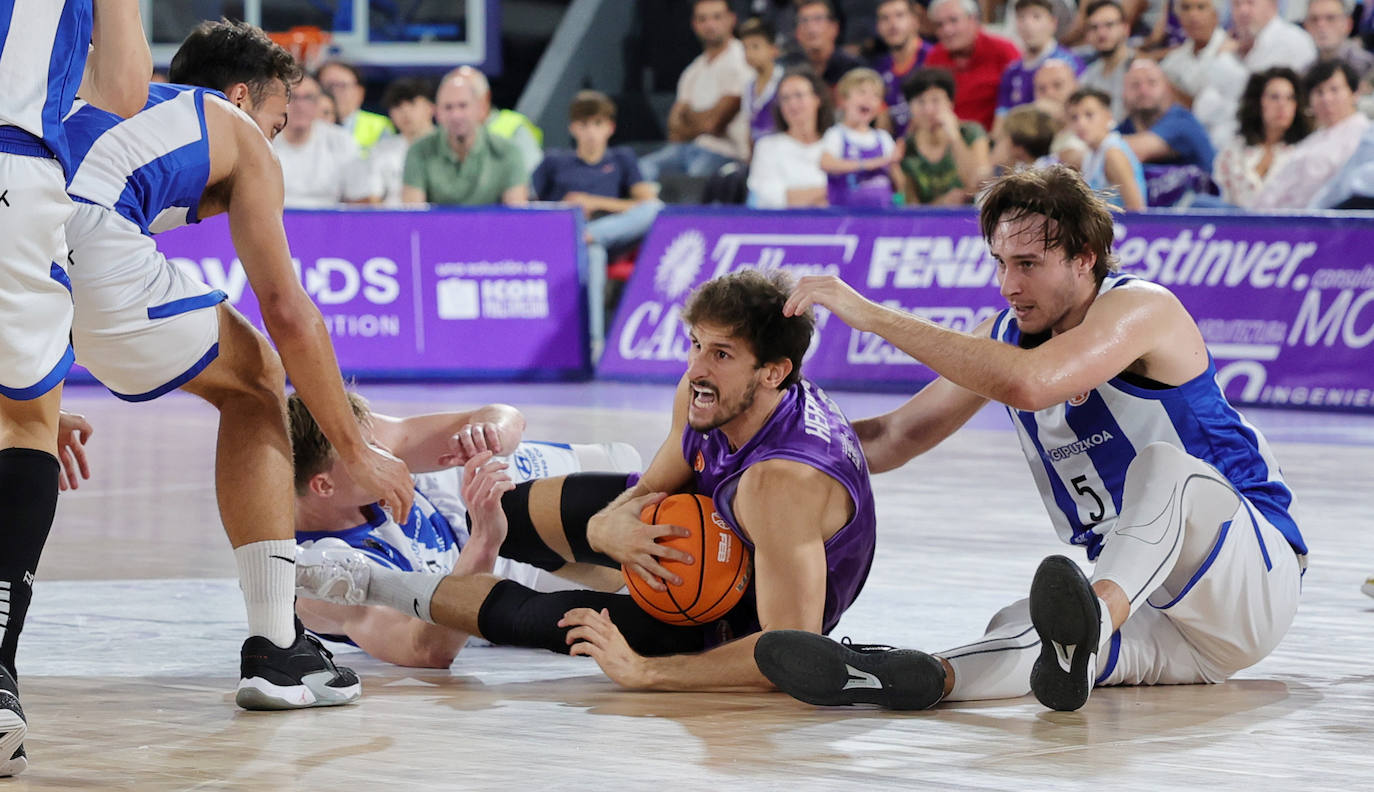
point(515, 615)
point(522, 540)
point(585, 494)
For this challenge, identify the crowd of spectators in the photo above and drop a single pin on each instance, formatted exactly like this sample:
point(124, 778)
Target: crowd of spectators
point(1240, 104)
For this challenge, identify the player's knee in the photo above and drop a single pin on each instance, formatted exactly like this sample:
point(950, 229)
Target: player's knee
point(515, 615)
point(1157, 458)
point(1016, 613)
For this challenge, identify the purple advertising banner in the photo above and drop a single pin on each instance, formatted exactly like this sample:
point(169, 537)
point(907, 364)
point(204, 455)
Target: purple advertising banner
point(1286, 304)
point(442, 294)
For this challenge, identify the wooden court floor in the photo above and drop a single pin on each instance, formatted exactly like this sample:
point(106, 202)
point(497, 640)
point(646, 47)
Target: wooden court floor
point(130, 656)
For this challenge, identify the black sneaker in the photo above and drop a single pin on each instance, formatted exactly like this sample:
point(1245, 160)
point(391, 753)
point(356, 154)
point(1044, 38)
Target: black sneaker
point(1064, 610)
point(817, 670)
point(12, 724)
point(304, 675)
point(17, 763)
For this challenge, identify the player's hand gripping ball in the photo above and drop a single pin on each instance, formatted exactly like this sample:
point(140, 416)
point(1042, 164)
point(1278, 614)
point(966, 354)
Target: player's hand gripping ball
point(711, 586)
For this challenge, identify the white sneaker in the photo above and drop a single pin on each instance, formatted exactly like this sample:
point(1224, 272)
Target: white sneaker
point(1368, 586)
point(331, 570)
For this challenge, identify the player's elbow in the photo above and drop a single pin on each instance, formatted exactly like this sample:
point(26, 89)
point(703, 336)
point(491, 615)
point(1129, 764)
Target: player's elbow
point(286, 317)
point(1026, 395)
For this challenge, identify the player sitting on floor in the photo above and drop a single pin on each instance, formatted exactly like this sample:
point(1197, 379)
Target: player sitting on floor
point(773, 452)
point(1137, 455)
point(455, 526)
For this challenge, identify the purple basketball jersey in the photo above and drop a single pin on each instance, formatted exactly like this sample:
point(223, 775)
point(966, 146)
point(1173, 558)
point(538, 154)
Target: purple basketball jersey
point(806, 427)
point(1018, 81)
point(897, 108)
point(867, 188)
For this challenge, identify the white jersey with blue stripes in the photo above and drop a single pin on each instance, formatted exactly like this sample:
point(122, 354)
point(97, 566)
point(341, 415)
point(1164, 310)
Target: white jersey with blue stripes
point(1079, 450)
point(43, 48)
point(152, 168)
point(436, 528)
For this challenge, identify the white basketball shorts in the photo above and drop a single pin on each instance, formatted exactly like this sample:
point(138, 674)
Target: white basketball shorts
point(1232, 613)
point(35, 300)
point(143, 327)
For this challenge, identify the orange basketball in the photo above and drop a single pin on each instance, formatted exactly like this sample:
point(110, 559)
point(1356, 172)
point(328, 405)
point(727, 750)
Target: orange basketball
point(714, 583)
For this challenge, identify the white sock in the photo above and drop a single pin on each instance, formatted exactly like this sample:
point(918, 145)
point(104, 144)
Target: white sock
point(1105, 636)
point(267, 575)
point(613, 457)
point(407, 592)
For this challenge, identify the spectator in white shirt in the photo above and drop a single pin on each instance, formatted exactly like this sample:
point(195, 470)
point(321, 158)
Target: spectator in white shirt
point(1272, 119)
point(786, 170)
point(1266, 40)
point(1320, 157)
point(408, 104)
point(321, 163)
point(1207, 78)
point(705, 125)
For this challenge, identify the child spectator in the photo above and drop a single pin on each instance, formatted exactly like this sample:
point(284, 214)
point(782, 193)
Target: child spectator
point(945, 158)
point(761, 53)
point(1110, 165)
point(856, 156)
point(605, 183)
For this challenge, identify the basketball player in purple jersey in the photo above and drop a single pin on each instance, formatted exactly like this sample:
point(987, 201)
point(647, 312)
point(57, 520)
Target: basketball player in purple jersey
point(777, 457)
point(898, 26)
point(50, 50)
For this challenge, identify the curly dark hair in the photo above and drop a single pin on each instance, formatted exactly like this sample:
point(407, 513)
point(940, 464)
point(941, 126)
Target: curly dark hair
point(221, 54)
point(925, 78)
point(1251, 116)
point(1076, 219)
point(825, 111)
point(749, 303)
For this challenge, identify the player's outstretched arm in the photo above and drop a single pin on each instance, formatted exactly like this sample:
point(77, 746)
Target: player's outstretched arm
point(120, 63)
point(293, 321)
point(1140, 321)
point(936, 411)
point(442, 440)
point(618, 532)
point(788, 509)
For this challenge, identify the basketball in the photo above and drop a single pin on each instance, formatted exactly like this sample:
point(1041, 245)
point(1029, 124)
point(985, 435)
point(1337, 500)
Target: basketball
point(711, 586)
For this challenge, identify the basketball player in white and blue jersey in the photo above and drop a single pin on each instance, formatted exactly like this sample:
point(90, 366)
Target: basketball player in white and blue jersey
point(45, 54)
point(1138, 456)
point(456, 526)
point(144, 328)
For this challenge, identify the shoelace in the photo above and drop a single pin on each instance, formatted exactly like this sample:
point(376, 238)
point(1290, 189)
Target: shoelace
point(316, 641)
point(865, 648)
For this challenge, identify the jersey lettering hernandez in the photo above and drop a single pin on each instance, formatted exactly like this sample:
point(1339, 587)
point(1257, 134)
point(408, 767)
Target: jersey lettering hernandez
point(1079, 450)
point(809, 428)
point(151, 168)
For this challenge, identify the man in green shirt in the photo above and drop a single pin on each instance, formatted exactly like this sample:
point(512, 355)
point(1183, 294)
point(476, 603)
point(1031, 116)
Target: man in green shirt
point(460, 163)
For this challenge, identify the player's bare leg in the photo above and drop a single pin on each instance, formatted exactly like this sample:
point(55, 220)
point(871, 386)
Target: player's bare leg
point(282, 668)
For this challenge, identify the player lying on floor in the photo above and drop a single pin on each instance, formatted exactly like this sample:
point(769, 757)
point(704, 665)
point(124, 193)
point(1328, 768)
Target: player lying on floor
point(455, 526)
